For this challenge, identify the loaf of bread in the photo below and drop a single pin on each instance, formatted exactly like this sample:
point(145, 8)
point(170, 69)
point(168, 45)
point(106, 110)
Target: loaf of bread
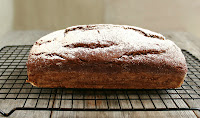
point(106, 56)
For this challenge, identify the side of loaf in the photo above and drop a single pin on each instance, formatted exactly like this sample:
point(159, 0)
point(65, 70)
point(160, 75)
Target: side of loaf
point(106, 56)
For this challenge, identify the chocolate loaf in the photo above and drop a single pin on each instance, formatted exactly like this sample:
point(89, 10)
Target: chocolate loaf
point(106, 56)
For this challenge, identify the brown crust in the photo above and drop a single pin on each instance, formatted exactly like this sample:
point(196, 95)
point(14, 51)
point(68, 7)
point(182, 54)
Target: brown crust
point(81, 79)
point(105, 75)
point(101, 66)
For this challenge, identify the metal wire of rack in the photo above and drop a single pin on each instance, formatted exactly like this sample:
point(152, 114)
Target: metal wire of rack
point(13, 86)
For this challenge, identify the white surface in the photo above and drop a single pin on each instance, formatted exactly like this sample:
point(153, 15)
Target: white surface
point(52, 46)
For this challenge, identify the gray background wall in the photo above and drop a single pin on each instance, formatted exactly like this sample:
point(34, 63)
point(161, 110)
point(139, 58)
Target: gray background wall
point(156, 15)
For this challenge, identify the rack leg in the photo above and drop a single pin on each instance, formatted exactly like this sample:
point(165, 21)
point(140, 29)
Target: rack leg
point(7, 114)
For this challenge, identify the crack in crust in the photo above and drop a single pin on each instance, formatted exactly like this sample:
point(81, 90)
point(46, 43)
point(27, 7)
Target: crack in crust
point(143, 52)
point(55, 54)
point(91, 45)
point(50, 54)
point(82, 60)
point(37, 43)
point(145, 34)
point(88, 27)
point(38, 53)
point(94, 27)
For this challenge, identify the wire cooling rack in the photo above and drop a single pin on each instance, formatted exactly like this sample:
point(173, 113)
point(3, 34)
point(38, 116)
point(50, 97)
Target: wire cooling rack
point(16, 93)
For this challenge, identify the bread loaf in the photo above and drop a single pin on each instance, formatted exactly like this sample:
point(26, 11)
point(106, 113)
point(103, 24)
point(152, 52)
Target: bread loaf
point(106, 56)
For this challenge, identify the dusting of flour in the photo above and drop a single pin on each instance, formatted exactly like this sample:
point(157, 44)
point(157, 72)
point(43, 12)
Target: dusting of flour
point(123, 40)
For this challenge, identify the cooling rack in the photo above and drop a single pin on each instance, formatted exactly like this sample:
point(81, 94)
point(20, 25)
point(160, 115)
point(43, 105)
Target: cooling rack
point(24, 96)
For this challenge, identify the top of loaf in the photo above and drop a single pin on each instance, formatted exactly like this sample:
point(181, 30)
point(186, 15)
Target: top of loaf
point(107, 43)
